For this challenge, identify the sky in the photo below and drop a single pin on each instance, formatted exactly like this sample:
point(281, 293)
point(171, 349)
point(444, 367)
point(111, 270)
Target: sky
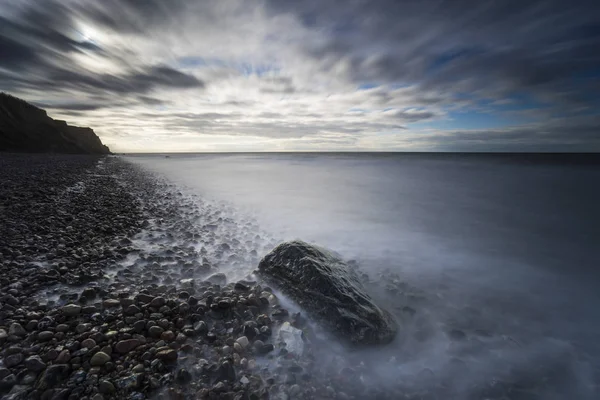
point(311, 75)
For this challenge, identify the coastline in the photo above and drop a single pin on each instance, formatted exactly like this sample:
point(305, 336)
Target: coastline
point(105, 294)
point(118, 284)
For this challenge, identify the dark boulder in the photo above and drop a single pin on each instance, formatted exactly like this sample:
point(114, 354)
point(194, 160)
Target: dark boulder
point(329, 291)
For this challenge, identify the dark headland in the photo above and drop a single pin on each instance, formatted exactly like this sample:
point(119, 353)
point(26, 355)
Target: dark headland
point(25, 128)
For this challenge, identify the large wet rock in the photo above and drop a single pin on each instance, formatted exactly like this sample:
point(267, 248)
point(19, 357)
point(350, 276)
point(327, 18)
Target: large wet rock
point(329, 291)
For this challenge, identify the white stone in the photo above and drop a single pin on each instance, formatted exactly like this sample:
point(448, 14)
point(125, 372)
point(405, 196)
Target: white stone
point(292, 338)
point(243, 341)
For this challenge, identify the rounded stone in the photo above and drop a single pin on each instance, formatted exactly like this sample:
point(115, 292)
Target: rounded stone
point(111, 303)
point(45, 336)
point(243, 341)
point(106, 387)
point(35, 364)
point(16, 329)
point(99, 359)
point(155, 331)
point(13, 360)
point(88, 343)
point(71, 310)
point(158, 302)
point(167, 336)
point(167, 355)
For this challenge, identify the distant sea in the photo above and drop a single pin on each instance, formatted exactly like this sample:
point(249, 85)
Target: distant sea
point(510, 240)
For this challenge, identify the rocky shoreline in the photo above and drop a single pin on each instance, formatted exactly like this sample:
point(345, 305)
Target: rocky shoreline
point(116, 285)
point(107, 292)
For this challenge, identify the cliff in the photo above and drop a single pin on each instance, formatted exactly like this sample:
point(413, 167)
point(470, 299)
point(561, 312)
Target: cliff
point(26, 128)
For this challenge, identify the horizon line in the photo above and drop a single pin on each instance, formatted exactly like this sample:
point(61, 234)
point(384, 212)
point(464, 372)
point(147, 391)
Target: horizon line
point(362, 152)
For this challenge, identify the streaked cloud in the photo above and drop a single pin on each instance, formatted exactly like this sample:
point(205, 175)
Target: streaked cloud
point(310, 75)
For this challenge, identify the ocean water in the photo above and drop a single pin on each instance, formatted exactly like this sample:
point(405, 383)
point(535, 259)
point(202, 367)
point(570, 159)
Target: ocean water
point(503, 248)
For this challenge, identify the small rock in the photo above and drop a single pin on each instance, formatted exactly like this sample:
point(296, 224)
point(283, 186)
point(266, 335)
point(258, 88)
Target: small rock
point(129, 382)
point(219, 388)
point(243, 341)
point(200, 327)
point(292, 338)
point(295, 390)
point(106, 387)
point(167, 336)
point(131, 310)
point(167, 355)
point(89, 293)
point(16, 330)
point(45, 336)
point(63, 357)
point(71, 310)
point(8, 381)
point(183, 375)
point(53, 376)
point(258, 345)
point(241, 287)
point(138, 368)
point(111, 303)
point(13, 360)
point(35, 364)
point(144, 298)
point(88, 343)
point(139, 326)
point(158, 302)
point(125, 346)
point(155, 331)
point(99, 359)
point(218, 279)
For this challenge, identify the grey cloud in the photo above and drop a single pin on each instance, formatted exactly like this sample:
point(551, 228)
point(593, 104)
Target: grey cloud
point(71, 106)
point(39, 38)
point(42, 30)
point(431, 56)
point(277, 84)
point(151, 101)
point(98, 103)
point(412, 116)
point(14, 54)
point(132, 82)
point(133, 16)
point(494, 47)
point(558, 135)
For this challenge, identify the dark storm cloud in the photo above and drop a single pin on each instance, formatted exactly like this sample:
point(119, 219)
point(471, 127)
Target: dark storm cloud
point(71, 106)
point(132, 82)
point(496, 48)
point(14, 54)
point(99, 102)
point(39, 31)
point(38, 41)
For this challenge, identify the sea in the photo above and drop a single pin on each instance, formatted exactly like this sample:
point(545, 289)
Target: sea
point(497, 255)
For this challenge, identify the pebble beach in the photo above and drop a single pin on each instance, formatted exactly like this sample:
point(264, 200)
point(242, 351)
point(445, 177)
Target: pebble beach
point(107, 292)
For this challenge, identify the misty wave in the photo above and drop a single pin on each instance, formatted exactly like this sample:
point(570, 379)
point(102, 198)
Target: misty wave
point(483, 314)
